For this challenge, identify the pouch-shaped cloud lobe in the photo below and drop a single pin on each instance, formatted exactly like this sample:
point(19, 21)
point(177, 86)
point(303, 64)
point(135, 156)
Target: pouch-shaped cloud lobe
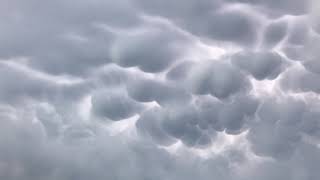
point(150, 89)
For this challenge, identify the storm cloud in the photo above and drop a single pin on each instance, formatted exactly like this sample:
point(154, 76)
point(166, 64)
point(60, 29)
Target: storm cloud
point(153, 90)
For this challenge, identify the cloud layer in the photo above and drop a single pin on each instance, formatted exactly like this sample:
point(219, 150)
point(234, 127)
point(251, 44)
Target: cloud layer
point(148, 89)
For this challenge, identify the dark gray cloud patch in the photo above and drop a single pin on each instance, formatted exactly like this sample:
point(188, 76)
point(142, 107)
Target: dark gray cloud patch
point(300, 80)
point(220, 79)
point(298, 32)
point(113, 76)
point(164, 93)
point(312, 65)
point(73, 56)
point(150, 125)
point(180, 70)
point(261, 65)
point(114, 105)
point(39, 159)
point(297, 45)
point(179, 10)
point(274, 33)
point(311, 124)
point(77, 133)
point(294, 52)
point(152, 50)
point(33, 86)
point(165, 126)
point(209, 109)
point(178, 122)
point(234, 116)
point(204, 18)
point(276, 133)
point(62, 37)
point(231, 116)
point(294, 7)
point(234, 26)
point(197, 125)
point(311, 55)
point(29, 85)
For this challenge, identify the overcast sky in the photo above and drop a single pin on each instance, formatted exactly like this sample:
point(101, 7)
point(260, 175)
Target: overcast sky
point(159, 90)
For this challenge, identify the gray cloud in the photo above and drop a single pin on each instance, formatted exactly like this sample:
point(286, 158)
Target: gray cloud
point(279, 8)
point(275, 32)
point(152, 51)
point(218, 79)
point(114, 105)
point(298, 32)
point(197, 124)
point(72, 42)
point(301, 81)
point(261, 65)
point(164, 93)
point(180, 71)
point(276, 133)
point(234, 26)
point(26, 154)
point(40, 87)
point(205, 19)
point(137, 89)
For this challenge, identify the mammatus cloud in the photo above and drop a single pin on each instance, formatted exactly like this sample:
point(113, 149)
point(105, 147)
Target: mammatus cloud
point(260, 65)
point(153, 90)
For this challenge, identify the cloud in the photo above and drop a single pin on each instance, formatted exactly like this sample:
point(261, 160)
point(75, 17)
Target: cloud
point(26, 154)
point(36, 85)
point(197, 124)
point(114, 105)
point(261, 65)
point(219, 79)
point(164, 93)
point(279, 8)
point(149, 124)
point(62, 37)
point(234, 26)
point(206, 20)
point(300, 81)
point(152, 50)
point(146, 89)
point(314, 15)
point(275, 32)
point(276, 133)
point(180, 70)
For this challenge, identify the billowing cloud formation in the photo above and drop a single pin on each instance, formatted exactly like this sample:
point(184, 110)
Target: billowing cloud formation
point(275, 32)
point(278, 123)
point(218, 79)
point(150, 50)
point(114, 105)
point(261, 65)
point(164, 93)
point(149, 89)
point(301, 81)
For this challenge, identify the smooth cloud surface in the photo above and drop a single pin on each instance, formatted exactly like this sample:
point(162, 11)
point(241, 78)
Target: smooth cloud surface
point(153, 90)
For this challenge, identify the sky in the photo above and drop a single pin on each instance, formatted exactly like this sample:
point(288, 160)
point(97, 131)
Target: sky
point(159, 90)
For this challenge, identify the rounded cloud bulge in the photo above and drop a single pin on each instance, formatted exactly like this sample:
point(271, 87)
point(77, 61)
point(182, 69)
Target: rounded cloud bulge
point(159, 90)
point(114, 105)
point(261, 65)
